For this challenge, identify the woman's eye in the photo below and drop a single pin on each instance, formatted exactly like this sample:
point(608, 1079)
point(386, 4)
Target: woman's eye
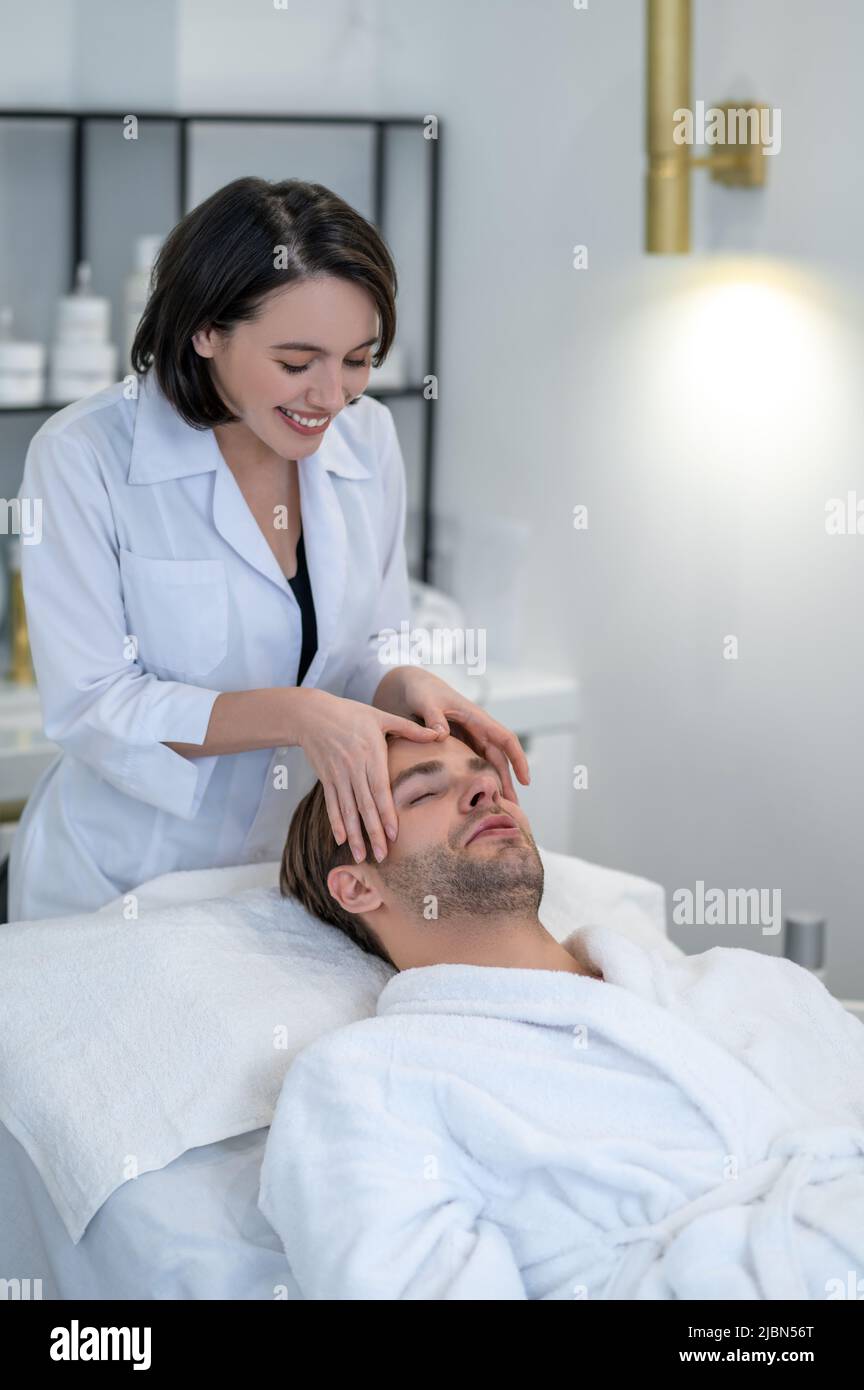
point(294, 370)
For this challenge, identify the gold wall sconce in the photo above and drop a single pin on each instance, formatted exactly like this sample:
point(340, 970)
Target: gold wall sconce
point(733, 162)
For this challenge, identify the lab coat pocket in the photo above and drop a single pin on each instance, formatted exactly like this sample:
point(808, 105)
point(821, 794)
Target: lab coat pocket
point(177, 611)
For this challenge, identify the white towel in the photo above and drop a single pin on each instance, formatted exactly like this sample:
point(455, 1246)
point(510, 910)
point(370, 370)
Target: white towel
point(125, 1043)
point(683, 1128)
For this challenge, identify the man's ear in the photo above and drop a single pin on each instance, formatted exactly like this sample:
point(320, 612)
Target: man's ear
point(353, 889)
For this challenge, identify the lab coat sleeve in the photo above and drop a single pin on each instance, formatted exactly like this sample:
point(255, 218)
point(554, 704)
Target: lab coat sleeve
point(394, 595)
point(97, 703)
point(371, 1198)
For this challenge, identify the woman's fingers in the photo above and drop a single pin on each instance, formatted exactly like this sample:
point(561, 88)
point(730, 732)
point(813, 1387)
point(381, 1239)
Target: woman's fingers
point(482, 739)
point(362, 789)
point(497, 758)
point(516, 753)
point(356, 801)
point(509, 744)
point(432, 715)
point(348, 798)
point(363, 798)
point(407, 728)
point(348, 808)
point(359, 795)
point(331, 801)
point(491, 732)
point(369, 812)
point(378, 773)
point(487, 748)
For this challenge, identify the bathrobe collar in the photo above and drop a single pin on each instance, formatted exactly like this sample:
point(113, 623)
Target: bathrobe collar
point(544, 996)
point(631, 1007)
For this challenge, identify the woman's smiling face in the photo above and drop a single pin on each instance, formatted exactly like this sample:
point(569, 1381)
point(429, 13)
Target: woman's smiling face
point(309, 352)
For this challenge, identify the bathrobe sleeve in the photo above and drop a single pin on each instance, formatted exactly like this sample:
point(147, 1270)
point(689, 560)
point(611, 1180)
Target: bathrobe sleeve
point(97, 703)
point(368, 1193)
point(393, 602)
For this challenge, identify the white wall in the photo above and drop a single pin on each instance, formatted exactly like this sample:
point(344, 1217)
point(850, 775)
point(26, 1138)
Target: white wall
point(88, 52)
point(704, 407)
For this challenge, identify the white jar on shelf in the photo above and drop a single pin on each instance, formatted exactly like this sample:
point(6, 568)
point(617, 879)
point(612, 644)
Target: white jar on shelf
point(137, 288)
point(79, 369)
point(82, 358)
point(22, 366)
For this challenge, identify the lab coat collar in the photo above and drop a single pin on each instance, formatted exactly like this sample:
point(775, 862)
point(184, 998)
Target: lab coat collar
point(164, 446)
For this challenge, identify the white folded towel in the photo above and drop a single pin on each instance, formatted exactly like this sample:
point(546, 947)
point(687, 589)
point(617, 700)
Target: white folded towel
point(125, 1043)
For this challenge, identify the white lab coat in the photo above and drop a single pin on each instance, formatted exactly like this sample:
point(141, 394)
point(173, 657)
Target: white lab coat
point(146, 535)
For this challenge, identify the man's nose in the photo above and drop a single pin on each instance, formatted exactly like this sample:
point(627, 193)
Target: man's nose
point(482, 788)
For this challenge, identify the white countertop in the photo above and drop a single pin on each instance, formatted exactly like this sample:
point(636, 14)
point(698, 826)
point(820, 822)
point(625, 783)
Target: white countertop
point(527, 701)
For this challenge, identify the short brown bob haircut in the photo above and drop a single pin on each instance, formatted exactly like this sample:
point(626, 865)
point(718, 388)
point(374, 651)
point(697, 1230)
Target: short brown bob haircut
point(311, 852)
point(218, 263)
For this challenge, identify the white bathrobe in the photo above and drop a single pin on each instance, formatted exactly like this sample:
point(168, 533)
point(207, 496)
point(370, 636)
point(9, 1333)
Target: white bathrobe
point(689, 1128)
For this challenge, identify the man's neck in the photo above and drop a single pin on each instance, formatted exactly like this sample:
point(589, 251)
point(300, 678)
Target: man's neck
point(521, 944)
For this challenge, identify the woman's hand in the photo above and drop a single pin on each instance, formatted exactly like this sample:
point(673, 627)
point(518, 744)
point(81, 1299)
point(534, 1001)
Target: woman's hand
point(344, 741)
point(411, 690)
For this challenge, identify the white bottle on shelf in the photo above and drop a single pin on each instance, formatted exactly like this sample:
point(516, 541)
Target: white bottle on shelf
point(22, 366)
point(82, 359)
point(138, 289)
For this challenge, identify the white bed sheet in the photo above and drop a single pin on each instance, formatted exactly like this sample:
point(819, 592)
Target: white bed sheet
point(191, 1230)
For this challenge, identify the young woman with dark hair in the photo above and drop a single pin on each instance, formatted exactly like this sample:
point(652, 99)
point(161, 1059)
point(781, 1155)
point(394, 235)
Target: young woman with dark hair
point(222, 549)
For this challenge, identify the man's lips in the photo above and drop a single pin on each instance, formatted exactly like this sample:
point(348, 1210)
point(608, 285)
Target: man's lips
point(493, 825)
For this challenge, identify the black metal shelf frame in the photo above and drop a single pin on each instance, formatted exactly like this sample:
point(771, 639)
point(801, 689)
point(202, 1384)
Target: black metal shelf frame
point(379, 125)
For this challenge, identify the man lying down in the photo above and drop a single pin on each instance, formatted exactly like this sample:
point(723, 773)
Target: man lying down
point(525, 1119)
